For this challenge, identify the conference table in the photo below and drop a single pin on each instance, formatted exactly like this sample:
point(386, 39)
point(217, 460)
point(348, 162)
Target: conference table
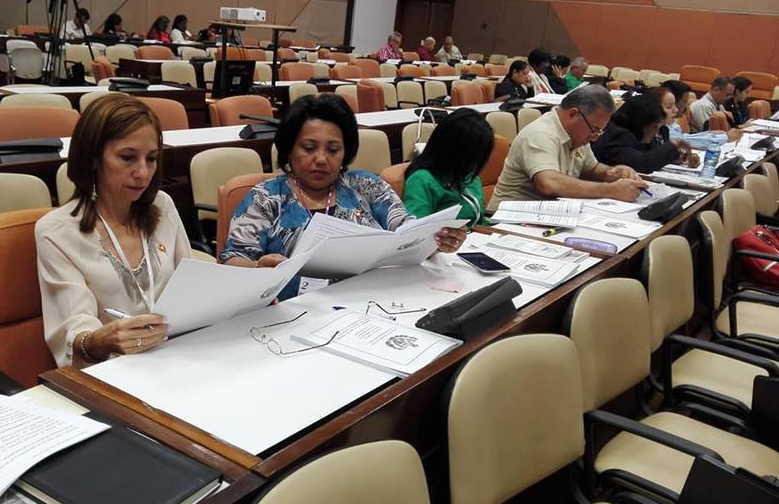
point(407, 408)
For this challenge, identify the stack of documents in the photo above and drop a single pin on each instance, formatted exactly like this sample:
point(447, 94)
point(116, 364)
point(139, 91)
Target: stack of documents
point(547, 98)
point(686, 180)
point(629, 228)
point(534, 269)
point(561, 213)
point(345, 248)
point(535, 247)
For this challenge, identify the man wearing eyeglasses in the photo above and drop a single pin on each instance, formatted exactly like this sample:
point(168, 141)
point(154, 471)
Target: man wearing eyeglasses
point(552, 158)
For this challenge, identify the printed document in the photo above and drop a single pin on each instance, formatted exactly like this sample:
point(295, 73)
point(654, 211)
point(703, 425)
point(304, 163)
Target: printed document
point(534, 269)
point(620, 227)
point(528, 246)
point(560, 213)
point(29, 434)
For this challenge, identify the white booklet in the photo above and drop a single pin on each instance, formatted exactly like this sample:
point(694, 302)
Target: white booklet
point(537, 270)
point(632, 229)
point(547, 98)
point(29, 434)
point(556, 213)
point(687, 180)
point(531, 247)
point(345, 248)
point(200, 294)
point(378, 342)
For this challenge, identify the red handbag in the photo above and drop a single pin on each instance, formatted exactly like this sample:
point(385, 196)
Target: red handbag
point(760, 239)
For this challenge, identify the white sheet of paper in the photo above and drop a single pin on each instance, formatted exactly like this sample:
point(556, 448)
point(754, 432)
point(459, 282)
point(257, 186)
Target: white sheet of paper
point(612, 205)
point(528, 246)
point(29, 434)
point(556, 213)
point(618, 226)
point(538, 270)
point(621, 242)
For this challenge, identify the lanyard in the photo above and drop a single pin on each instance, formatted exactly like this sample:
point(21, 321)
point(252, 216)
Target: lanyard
point(148, 301)
point(474, 203)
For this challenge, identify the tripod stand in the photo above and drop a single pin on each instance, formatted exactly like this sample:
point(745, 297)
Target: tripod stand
point(54, 68)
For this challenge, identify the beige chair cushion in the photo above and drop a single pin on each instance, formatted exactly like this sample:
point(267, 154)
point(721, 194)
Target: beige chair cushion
point(668, 467)
point(753, 318)
point(373, 155)
point(717, 373)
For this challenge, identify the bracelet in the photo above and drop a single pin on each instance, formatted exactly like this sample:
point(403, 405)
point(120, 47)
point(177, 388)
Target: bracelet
point(83, 346)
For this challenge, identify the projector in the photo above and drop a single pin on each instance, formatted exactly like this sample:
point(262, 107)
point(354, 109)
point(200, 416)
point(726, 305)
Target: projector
point(242, 14)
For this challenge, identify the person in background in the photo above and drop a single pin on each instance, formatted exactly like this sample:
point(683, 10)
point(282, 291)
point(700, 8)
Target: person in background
point(442, 177)
point(392, 50)
point(179, 33)
point(540, 61)
point(208, 34)
point(721, 91)
point(76, 28)
point(668, 103)
point(683, 96)
point(575, 76)
point(159, 30)
point(115, 244)
point(113, 27)
point(448, 51)
point(555, 74)
point(631, 137)
point(552, 158)
point(736, 107)
point(426, 48)
point(316, 141)
point(516, 83)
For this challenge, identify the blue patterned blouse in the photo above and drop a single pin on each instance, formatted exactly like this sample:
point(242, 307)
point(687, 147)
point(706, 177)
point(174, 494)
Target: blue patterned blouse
point(270, 219)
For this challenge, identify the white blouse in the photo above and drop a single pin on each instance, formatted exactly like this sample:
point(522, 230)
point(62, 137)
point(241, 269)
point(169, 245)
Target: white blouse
point(79, 277)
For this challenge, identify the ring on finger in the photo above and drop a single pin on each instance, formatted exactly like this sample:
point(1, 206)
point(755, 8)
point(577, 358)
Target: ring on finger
point(139, 344)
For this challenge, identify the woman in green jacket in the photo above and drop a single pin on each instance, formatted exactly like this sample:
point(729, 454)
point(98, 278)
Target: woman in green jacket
point(447, 171)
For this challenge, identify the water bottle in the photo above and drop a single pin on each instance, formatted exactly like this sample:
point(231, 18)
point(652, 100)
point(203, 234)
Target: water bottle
point(710, 161)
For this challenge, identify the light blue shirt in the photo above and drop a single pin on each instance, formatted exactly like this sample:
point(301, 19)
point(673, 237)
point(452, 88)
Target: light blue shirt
point(698, 141)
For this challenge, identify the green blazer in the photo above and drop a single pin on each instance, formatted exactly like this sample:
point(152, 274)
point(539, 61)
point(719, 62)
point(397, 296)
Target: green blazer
point(424, 194)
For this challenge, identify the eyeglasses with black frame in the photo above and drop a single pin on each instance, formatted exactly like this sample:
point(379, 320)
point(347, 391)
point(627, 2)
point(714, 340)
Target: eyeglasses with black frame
point(596, 132)
point(273, 345)
point(397, 309)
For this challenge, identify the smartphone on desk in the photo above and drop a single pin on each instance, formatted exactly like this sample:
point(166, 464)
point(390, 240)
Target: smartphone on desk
point(483, 262)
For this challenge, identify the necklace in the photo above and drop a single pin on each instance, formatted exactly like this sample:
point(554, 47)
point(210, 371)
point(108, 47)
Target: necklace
point(311, 202)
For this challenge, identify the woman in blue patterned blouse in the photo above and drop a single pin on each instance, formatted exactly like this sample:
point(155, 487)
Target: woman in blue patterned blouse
point(315, 142)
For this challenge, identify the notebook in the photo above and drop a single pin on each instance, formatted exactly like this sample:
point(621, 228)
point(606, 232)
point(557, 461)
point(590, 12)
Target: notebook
point(561, 213)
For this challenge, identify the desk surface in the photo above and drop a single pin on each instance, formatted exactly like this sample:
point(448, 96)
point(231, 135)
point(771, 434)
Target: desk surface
point(78, 89)
point(387, 117)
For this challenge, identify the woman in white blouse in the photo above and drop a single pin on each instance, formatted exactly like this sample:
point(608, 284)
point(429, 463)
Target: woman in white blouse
point(105, 256)
point(179, 33)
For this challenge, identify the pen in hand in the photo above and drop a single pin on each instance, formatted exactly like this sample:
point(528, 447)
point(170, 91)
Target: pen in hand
point(647, 192)
point(116, 314)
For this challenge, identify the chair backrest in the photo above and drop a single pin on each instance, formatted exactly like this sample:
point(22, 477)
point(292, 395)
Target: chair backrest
point(487, 89)
point(212, 168)
point(116, 52)
point(495, 70)
point(321, 70)
point(155, 52)
point(65, 186)
point(597, 70)
point(413, 133)
point(209, 71)
point(287, 54)
point(324, 53)
point(410, 94)
point(497, 449)
point(341, 57)
point(172, 114)
point(503, 124)
point(27, 62)
point(476, 68)
point(102, 68)
point(79, 53)
point(759, 109)
point(254, 55)
point(616, 72)
point(373, 155)
point(498, 59)
point(390, 94)
point(698, 77)
point(763, 84)
point(23, 123)
point(36, 100)
point(435, 89)
point(31, 29)
point(349, 93)
point(229, 195)
point(187, 53)
point(388, 70)
point(301, 89)
point(233, 53)
point(262, 72)
point(410, 56)
point(395, 176)
point(526, 116)
point(347, 72)
point(296, 71)
point(87, 98)
point(657, 78)
point(179, 72)
point(370, 67)
point(773, 175)
point(609, 323)
point(475, 56)
point(370, 96)
point(491, 171)
point(763, 194)
point(410, 71)
point(629, 75)
point(738, 212)
point(225, 112)
point(467, 93)
point(23, 351)
point(443, 71)
point(349, 476)
point(21, 192)
point(717, 253)
point(668, 277)
point(719, 121)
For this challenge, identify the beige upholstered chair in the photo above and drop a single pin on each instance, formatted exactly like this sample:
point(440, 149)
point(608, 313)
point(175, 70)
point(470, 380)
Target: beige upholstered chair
point(116, 52)
point(770, 171)
point(36, 100)
point(763, 193)
point(21, 192)
point(349, 93)
point(301, 89)
point(597, 70)
point(65, 186)
point(211, 168)
point(503, 124)
point(382, 472)
point(526, 116)
point(410, 94)
point(262, 72)
point(497, 449)
point(498, 59)
point(373, 154)
point(412, 133)
point(390, 94)
point(435, 89)
point(179, 72)
point(738, 211)
point(321, 70)
point(87, 98)
point(187, 53)
point(388, 70)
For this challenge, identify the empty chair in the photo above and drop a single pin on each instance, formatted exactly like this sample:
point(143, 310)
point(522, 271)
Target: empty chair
point(24, 123)
point(21, 192)
point(412, 134)
point(262, 72)
point(87, 98)
point(410, 94)
point(65, 186)
point(373, 155)
point(347, 72)
point(179, 72)
point(324, 53)
point(229, 196)
point(410, 56)
point(435, 89)
point(759, 109)
point(80, 53)
point(487, 89)
point(763, 84)
point(498, 59)
point(616, 72)
point(390, 94)
point(467, 93)
point(738, 211)
point(120, 51)
point(209, 70)
point(443, 71)
point(629, 76)
point(287, 54)
point(395, 176)
point(26, 63)
point(254, 55)
point(410, 71)
point(494, 165)
point(698, 77)
point(495, 70)
point(427, 70)
point(102, 69)
point(226, 112)
point(770, 171)
point(475, 56)
point(296, 71)
point(154, 52)
point(644, 74)
point(370, 96)
point(321, 70)
point(232, 53)
point(349, 93)
point(388, 70)
point(187, 53)
point(503, 124)
point(301, 89)
point(475, 69)
point(46, 100)
point(350, 476)
point(525, 117)
point(657, 78)
point(171, 114)
point(597, 70)
point(370, 67)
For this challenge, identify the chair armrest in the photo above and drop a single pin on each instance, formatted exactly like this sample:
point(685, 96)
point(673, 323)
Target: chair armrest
point(770, 366)
point(755, 253)
point(752, 348)
point(648, 432)
point(9, 386)
point(754, 297)
point(203, 206)
point(748, 286)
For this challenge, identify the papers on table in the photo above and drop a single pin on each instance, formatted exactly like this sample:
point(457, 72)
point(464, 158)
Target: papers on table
point(378, 342)
point(620, 227)
point(765, 123)
point(611, 205)
point(685, 180)
point(29, 434)
point(350, 249)
point(683, 169)
point(547, 98)
point(534, 269)
point(188, 301)
point(561, 213)
point(534, 247)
